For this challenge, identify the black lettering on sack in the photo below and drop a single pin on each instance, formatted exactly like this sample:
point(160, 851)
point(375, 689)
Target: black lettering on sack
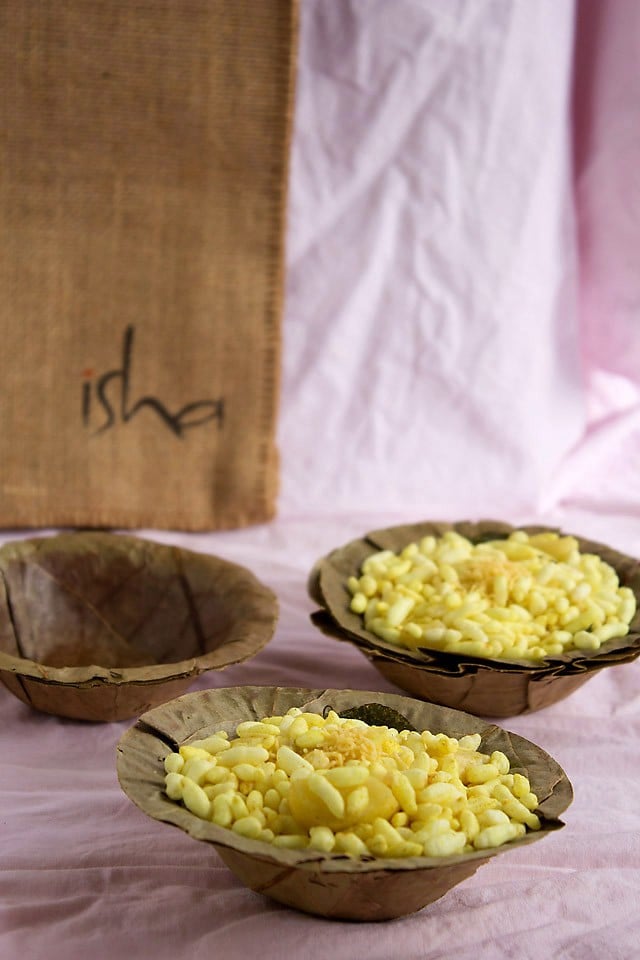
point(111, 394)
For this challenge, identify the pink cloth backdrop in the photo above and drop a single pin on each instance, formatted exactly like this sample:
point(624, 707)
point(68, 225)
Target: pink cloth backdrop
point(462, 339)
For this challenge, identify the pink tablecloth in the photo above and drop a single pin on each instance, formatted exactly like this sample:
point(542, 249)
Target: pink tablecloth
point(462, 339)
point(85, 873)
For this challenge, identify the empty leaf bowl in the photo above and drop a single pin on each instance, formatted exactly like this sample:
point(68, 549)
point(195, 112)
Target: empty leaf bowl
point(331, 885)
point(483, 685)
point(101, 626)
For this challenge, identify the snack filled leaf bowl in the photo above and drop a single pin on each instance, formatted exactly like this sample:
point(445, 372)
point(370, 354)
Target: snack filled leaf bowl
point(101, 626)
point(323, 882)
point(505, 680)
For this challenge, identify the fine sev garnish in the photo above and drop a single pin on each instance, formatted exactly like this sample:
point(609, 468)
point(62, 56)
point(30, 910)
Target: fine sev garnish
point(517, 598)
point(339, 785)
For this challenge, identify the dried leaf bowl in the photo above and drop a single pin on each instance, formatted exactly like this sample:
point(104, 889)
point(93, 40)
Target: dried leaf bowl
point(102, 626)
point(328, 885)
point(485, 687)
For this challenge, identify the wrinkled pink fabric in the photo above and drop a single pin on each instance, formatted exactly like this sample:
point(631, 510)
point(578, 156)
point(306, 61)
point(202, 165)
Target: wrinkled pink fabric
point(462, 339)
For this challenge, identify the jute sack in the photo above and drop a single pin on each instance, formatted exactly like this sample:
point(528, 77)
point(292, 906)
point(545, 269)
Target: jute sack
point(143, 171)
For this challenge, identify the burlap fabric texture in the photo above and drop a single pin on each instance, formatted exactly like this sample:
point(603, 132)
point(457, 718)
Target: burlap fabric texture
point(143, 172)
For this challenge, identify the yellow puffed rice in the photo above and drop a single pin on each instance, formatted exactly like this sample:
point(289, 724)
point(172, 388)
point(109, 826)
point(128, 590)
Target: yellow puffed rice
point(519, 598)
point(354, 789)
